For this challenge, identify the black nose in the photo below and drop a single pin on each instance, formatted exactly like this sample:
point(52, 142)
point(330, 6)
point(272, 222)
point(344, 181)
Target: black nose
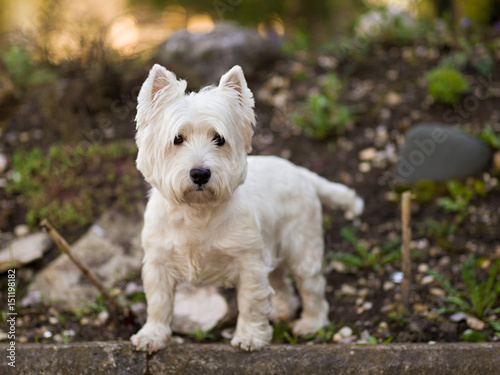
point(200, 176)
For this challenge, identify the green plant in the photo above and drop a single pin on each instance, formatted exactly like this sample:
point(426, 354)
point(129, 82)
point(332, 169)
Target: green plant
point(364, 257)
point(202, 335)
point(479, 298)
point(70, 185)
point(491, 137)
point(446, 84)
point(282, 333)
point(23, 68)
point(459, 199)
point(322, 115)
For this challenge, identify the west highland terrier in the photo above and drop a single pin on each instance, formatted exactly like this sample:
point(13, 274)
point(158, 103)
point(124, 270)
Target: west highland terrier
point(216, 216)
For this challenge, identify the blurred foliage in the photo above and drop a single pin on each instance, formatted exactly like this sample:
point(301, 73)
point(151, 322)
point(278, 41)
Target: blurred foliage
point(491, 137)
point(70, 186)
point(23, 69)
point(446, 84)
point(322, 115)
point(475, 55)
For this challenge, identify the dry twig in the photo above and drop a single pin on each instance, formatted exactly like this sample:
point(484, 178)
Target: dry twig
point(405, 248)
point(113, 308)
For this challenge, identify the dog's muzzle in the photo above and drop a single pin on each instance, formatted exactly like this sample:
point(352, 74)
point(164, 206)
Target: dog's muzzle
point(200, 176)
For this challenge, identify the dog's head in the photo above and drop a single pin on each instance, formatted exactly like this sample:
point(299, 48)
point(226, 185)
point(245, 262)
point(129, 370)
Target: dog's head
point(193, 147)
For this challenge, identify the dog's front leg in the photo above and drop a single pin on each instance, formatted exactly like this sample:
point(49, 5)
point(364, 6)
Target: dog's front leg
point(159, 287)
point(253, 330)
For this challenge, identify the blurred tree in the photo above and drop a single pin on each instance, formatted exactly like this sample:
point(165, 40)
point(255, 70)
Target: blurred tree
point(315, 17)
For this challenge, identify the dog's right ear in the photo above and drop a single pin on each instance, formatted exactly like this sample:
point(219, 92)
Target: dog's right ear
point(161, 87)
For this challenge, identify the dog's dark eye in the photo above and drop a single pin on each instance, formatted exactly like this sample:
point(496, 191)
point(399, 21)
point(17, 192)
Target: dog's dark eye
point(219, 141)
point(178, 139)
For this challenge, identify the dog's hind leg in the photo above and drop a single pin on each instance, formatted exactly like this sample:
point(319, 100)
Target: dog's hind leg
point(285, 302)
point(311, 284)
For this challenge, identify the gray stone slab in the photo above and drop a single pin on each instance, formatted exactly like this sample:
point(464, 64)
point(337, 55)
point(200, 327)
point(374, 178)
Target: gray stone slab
point(388, 359)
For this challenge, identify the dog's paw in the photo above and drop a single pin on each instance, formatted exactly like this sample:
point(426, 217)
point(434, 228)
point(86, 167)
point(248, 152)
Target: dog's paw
point(152, 337)
point(248, 343)
point(306, 326)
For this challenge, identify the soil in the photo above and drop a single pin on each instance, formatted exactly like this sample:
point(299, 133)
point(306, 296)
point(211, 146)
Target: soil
point(380, 123)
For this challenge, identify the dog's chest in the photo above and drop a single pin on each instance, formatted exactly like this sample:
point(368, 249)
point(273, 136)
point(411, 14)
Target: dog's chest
point(202, 263)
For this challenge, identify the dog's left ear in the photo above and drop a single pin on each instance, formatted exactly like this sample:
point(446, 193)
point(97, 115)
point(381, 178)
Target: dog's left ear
point(234, 84)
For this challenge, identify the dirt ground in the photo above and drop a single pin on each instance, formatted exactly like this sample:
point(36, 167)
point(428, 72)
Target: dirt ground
point(387, 91)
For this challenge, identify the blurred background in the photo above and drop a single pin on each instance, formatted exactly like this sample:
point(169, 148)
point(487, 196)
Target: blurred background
point(341, 86)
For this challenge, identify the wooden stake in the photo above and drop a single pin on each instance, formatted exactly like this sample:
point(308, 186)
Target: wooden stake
point(111, 304)
point(405, 248)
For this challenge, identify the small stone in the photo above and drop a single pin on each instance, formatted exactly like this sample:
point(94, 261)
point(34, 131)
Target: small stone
point(47, 334)
point(475, 324)
point(69, 332)
point(368, 154)
point(327, 62)
point(383, 326)
point(177, 340)
point(364, 167)
point(21, 230)
point(3, 163)
point(3, 335)
point(337, 337)
point(102, 317)
point(345, 332)
point(58, 338)
point(423, 268)
point(420, 307)
point(23, 339)
point(368, 305)
point(347, 290)
point(84, 321)
point(53, 320)
point(459, 316)
point(397, 277)
point(133, 288)
point(388, 285)
point(437, 292)
point(426, 280)
point(392, 74)
point(392, 98)
point(363, 293)
point(444, 261)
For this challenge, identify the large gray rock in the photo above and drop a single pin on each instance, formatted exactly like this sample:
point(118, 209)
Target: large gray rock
point(24, 250)
point(111, 248)
point(437, 152)
point(204, 57)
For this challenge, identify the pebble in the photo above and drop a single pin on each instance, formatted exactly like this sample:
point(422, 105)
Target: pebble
point(364, 167)
point(444, 261)
point(3, 163)
point(426, 280)
point(459, 316)
point(423, 268)
point(102, 317)
point(388, 285)
point(348, 290)
point(58, 338)
point(437, 292)
point(392, 98)
point(368, 154)
point(475, 323)
point(345, 332)
point(383, 326)
point(337, 337)
point(21, 230)
point(53, 320)
point(84, 321)
point(47, 334)
point(133, 288)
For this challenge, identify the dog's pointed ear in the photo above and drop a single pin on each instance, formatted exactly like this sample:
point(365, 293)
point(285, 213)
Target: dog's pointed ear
point(234, 79)
point(234, 82)
point(161, 86)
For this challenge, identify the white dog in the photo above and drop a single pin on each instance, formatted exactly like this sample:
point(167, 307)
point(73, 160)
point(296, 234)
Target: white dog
point(218, 217)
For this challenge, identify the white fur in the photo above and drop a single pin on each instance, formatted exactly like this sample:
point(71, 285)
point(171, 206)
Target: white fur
point(254, 223)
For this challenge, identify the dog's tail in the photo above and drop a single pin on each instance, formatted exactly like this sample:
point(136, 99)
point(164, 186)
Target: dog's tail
point(335, 195)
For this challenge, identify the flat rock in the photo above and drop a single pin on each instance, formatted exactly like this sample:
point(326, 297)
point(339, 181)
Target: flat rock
point(439, 153)
point(205, 57)
point(201, 308)
point(24, 250)
point(111, 248)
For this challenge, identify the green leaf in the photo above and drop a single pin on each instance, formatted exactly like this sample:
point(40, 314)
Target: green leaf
point(474, 336)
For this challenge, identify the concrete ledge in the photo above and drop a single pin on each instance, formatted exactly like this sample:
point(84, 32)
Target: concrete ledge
point(119, 358)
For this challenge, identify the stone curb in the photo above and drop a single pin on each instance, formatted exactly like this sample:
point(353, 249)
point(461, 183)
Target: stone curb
point(120, 358)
